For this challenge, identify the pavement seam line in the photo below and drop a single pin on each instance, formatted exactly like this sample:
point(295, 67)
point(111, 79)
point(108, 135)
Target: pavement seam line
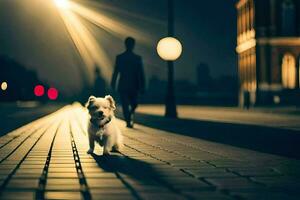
point(82, 180)
point(43, 179)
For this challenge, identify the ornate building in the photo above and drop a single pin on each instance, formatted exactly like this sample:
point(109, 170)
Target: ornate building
point(268, 47)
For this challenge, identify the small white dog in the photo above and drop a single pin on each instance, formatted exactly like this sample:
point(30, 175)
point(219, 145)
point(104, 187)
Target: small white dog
point(102, 127)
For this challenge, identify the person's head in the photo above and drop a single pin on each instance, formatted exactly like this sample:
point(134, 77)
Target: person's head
point(129, 43)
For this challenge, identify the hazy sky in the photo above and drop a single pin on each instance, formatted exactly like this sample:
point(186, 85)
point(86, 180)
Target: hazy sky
point(33, 33)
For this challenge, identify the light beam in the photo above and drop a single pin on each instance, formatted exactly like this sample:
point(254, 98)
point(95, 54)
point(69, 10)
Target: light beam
point(91, 51)
point(62, 4)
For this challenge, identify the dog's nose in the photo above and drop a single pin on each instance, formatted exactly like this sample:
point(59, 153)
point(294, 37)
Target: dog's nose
point(100, 113)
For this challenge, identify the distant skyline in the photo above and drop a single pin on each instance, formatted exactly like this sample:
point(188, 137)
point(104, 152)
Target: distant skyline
point(33, 33)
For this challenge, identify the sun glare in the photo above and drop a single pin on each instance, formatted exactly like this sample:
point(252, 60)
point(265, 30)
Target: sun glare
point(63, 4)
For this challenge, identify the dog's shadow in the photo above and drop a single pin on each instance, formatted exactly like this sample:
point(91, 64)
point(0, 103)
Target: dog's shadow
point(126, 167)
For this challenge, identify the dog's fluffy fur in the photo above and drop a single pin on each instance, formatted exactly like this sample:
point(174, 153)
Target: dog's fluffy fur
point(102, 126)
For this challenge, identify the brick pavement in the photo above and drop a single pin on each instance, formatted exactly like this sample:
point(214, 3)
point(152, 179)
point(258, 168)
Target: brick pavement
point(47, 159)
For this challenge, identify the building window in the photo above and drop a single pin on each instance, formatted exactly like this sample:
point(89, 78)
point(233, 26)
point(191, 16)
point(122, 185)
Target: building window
point(288, 18)
point(288, 72)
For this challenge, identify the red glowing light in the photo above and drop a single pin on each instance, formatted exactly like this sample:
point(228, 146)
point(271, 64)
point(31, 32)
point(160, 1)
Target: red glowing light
point(52, 93)
point(39, 90)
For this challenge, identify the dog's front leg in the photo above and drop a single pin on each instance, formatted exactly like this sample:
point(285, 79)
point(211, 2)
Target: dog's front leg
point(106, 152)
point(91, 143)
point(100, 137)
point(100, 140)
point(107, 146)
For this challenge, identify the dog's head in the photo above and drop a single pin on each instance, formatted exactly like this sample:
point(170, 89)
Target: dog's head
point(100, 108)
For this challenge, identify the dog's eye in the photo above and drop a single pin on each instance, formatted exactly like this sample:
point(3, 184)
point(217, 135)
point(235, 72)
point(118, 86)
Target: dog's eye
point(105, 107)
point(93, 107)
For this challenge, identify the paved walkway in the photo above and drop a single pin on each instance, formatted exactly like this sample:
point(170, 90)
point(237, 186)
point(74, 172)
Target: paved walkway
point(47, 159)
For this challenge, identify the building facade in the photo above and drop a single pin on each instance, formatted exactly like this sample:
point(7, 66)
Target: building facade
point(268, 47)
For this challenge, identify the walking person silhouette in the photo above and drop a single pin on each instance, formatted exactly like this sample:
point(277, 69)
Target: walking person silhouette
point(129, 69)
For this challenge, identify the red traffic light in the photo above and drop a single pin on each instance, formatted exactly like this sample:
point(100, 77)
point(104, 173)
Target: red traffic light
point(39, 90)
point(52, 93)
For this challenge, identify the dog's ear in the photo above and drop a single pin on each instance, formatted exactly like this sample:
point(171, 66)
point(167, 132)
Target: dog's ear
point(90, 101)
point(111, 101)
point(92, 98)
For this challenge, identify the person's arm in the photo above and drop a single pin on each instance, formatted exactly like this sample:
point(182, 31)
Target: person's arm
point(115, 74)
point(141, 76)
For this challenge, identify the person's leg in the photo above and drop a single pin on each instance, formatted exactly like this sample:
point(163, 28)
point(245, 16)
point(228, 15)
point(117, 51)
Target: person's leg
point(125, 107)
point(133, 106)
point(133, 102)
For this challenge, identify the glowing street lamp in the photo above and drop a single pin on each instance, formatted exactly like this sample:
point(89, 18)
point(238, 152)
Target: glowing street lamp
point(4, 86)
point(62, 4)
point(170, 49)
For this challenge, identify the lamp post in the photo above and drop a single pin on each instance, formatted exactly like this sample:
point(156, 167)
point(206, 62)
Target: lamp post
point(170, 49)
